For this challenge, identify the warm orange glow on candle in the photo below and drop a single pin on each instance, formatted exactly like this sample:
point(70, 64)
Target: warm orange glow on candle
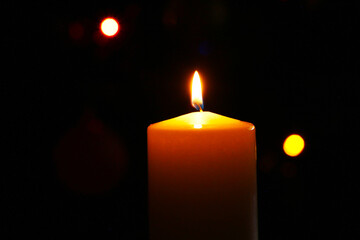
point(293, 145)
point(109, 27)
point(196, 92)
point(202, 178)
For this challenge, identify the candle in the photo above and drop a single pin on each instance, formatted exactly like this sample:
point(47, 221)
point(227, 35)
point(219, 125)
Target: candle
point(202, 176)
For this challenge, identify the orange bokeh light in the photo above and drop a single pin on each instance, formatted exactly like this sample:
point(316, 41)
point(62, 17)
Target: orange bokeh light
point(109, 27)
point(293, 145)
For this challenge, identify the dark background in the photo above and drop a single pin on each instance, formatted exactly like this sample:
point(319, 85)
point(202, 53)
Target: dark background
point(76, 107)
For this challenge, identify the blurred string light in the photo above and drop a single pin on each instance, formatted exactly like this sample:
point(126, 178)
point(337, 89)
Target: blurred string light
point(109, 27)
point(76, 31)
point(293, 145)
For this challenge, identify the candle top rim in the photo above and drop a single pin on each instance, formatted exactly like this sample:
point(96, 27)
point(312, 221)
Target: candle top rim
point(202, 120)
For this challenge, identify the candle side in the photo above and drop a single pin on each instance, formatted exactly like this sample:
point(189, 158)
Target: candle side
point(202, 181)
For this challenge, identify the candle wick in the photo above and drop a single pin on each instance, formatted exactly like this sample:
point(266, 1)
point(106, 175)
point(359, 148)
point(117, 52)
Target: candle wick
point(198, 106)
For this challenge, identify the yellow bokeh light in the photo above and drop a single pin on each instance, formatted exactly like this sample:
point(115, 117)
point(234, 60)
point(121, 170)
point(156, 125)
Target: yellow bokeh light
point(109, 27)
point(293, 145)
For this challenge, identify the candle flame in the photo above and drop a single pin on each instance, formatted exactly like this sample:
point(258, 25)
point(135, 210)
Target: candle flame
point(196, 96)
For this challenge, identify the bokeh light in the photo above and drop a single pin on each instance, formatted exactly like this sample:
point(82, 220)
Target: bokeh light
point(76, 31)
point(89, 158)
point(293, 145)
point(109, 27)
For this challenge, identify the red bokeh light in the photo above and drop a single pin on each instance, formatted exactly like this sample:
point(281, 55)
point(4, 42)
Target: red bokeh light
point(76, 31)
point(109, 27)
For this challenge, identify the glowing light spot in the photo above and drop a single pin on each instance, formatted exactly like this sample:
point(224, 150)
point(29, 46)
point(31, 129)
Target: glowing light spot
point(197, 126)
point(293, 145)
point(109, 27)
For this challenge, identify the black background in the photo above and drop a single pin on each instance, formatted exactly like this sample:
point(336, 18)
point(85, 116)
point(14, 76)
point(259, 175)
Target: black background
point(288, 66)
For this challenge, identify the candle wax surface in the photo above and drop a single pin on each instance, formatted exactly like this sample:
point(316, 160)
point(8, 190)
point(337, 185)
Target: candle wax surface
point(202, 178)
point(205, 120)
